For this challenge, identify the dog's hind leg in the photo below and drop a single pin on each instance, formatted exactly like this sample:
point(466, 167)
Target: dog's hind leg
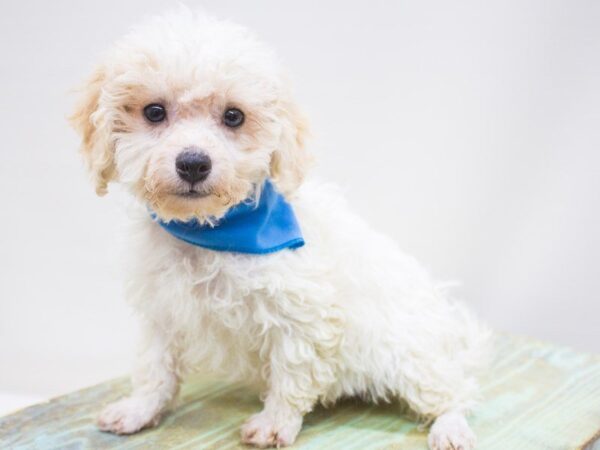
point(450, 431)
point(442, 394)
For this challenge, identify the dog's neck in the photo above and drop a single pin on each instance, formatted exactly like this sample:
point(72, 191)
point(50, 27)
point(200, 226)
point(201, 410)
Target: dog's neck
point(258, 225)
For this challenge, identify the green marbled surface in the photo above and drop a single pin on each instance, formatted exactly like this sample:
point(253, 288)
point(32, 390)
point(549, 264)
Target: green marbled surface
point(535, 397)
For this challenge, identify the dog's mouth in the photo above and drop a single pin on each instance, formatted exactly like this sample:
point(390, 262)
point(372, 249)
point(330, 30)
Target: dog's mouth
point(192, 194)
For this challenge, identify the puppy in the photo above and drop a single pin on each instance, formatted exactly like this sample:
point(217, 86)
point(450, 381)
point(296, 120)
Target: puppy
point(194, 117)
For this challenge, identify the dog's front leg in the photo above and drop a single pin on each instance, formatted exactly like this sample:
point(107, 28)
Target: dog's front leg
point(155, 384)
point(277, 425)
point(297, 376)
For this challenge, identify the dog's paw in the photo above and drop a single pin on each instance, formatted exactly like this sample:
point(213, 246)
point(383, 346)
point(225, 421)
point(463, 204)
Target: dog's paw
point(129, 415)
point(450, 431)
point(262, 430)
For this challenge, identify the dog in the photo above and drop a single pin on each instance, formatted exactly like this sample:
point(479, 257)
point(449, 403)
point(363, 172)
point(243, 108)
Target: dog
point(195, 118)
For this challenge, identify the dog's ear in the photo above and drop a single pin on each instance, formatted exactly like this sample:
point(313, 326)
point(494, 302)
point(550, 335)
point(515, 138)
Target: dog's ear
point(88, 120)
point(290, 161)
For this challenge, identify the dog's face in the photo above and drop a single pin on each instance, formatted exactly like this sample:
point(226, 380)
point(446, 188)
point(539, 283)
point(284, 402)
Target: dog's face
point(190, 114)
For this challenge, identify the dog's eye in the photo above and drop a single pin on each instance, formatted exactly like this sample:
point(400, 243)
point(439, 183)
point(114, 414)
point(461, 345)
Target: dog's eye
point(233, 117)
point(155, 112)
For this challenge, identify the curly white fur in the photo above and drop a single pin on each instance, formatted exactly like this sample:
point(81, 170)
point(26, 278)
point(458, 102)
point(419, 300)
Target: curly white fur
point(349, 314)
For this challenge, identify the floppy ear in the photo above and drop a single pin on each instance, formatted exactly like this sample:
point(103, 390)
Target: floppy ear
point(97, 147)
point(290, 162)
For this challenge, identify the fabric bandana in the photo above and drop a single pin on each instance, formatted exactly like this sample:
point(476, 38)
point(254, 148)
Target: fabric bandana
point(249, 227)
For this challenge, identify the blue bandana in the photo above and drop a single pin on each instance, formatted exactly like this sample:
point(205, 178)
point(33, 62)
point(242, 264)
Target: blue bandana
point(249, 227)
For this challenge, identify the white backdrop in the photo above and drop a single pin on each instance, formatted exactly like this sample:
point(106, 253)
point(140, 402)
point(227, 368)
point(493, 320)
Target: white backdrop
point(469, 131)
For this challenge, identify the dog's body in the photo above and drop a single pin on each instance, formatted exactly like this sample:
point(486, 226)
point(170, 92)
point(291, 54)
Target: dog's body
point(348, 314)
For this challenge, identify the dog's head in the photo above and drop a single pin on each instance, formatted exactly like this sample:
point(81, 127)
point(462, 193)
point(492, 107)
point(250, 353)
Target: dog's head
point(190, 113)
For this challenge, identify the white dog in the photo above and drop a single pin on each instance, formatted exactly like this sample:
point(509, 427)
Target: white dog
point(195, 118)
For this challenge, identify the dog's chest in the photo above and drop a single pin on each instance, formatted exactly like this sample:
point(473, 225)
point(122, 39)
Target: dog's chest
point(229, 302)
point(198, 289)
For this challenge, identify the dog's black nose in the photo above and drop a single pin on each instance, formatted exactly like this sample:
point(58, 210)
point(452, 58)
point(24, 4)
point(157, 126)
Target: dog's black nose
point(193, 166)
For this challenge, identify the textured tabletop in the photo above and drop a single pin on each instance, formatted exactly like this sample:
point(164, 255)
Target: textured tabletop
point(536, 396)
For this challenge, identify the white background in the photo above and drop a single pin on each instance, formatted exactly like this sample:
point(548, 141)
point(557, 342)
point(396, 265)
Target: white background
point(469, 131)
